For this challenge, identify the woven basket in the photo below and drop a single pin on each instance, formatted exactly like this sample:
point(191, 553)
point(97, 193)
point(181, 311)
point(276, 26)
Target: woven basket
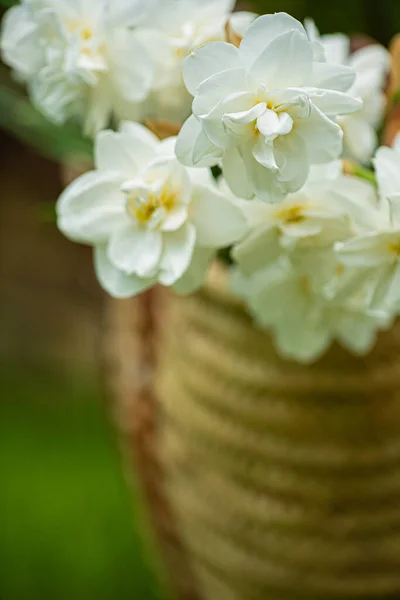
point(267, 480)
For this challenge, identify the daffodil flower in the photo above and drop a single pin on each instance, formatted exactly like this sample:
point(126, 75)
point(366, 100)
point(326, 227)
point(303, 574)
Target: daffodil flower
point(149, 218)
point(265, 110)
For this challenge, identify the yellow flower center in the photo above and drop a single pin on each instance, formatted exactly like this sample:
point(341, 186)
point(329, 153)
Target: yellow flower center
point(339, 270)
point(394, 247)
point(292, 214)
point(86, 34)
point(144, 211)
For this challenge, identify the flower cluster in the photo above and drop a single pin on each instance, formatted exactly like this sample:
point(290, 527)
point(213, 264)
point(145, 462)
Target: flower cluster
point(302, 266)
point(274, 107)
point(93, 60)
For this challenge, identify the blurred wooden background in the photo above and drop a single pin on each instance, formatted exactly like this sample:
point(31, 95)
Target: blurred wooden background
point(50, 303)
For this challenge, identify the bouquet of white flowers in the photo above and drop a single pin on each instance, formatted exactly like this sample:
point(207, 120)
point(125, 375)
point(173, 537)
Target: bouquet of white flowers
point(276, 107)
point(253, 141)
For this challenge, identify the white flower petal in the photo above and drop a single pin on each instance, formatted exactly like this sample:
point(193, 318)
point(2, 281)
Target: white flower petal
point(54, 96)
point(177, 254)
point(236, 174)
point(220, 128)
point(293, 170)
point(314, 37)
point(332, 77)
point(91, 207)
point(392, 300)
point(360, 138)
point(373, 57)
point(295, 102)
point(112, 153)
point(19, 42)
point(195, 275)
point(285, 123)
point(225, 87)
point(380, 287)
point(302, 342)
point(258, 249)
point(100, 106)
point(311, 29)
point(245, 117)
point(218, 221)
point(166, 148)
point(132, 78)
point(268, 122)
point(368, 250)
point(357, 332)
point(175, 218)
point(325, 172)
point(264, 284)
point(307, 228)
point(207, 61)
point(142, 142)
point(336, 47)
point(357, 199)
point(387, 167)
point(264, 182)
point(333, 103)
point(172, 15)
point(136, 251)
point(261, 32)
point(316, 128)
point(114, 281)
point(394, 209)
point(348, 282)
point(374, 105)
point(193, 148)
point(263, 152)
point(128, 13)
point(286, 61)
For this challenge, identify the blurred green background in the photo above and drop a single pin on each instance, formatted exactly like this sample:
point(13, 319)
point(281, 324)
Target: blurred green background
point(67, 530)
point(68, 527)
point(378, 18)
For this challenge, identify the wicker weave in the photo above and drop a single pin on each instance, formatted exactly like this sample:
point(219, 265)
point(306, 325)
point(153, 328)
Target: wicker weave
point(284, 480)
point(130, 340)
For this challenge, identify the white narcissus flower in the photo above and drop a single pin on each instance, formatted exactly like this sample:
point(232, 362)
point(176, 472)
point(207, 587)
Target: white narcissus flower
point(79, 58)
point(371, 65)
point(375, 254)
point(264, 109)
point(289, 274)
point(172, 31)
point(303, 323)
point(149, 218)
point(309, 221)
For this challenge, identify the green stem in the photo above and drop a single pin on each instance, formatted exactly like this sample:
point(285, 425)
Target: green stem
point(358, 170)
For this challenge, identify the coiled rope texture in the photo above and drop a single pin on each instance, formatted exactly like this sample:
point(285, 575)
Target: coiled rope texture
point(284, 480)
